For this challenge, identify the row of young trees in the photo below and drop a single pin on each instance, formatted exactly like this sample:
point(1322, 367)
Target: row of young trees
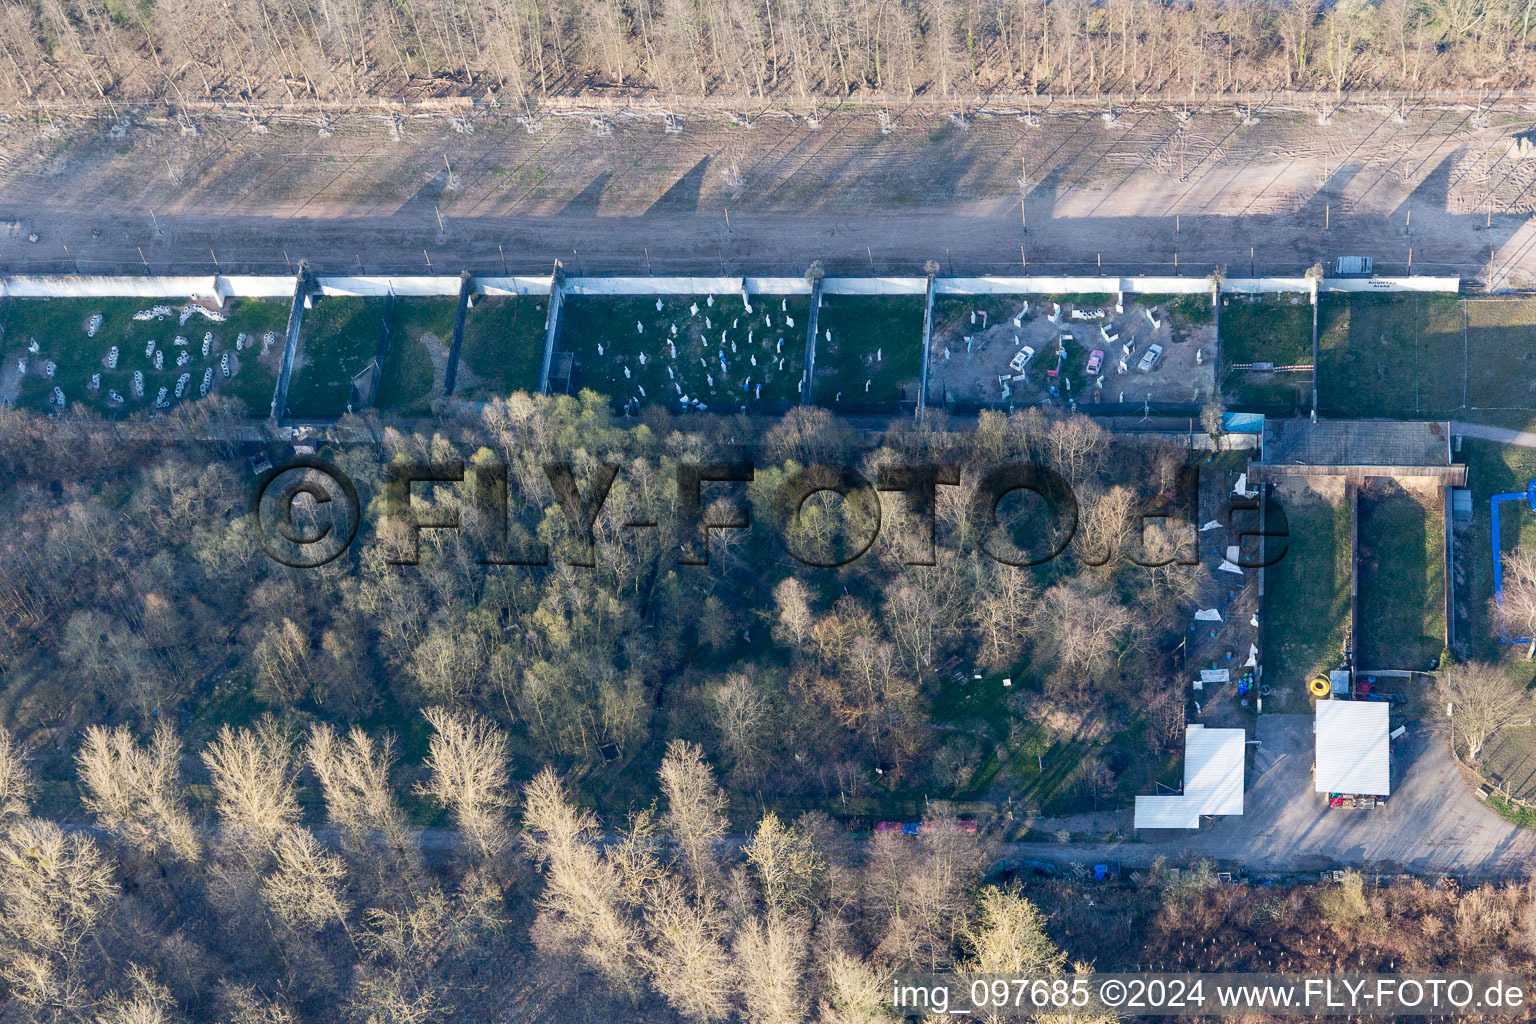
point(257, 918)
point(748, 50)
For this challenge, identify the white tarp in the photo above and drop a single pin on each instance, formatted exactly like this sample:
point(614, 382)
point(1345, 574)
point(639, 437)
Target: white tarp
point(1212, 525)
point(1352, 747)
point(1215, 675)
point(1213, 781)
point(1227, 566)
point(1208, 615)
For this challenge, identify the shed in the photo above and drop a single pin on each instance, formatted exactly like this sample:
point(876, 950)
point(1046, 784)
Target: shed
point(1213, 781)
point(1352, 748)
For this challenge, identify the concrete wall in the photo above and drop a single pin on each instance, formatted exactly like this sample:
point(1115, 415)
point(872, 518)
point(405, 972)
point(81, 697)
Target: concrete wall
point(653, 285)
point(254, 286)
point(1391, 284)
point(512, 285)
point(777, 285)
point(874, 286)
point(83, 287)
point(1064, 285)
point(250, 286)
point(377, 287)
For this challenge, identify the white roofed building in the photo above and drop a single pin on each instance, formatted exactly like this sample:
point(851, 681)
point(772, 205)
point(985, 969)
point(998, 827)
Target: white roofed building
point(1213, 781)
point(1353, 748)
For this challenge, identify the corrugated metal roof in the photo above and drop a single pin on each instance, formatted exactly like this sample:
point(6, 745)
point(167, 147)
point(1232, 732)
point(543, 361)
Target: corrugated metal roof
point(1213, 769)
point(1352, 747)
point(1356, 443)
point(1213, 781)
point(1165, 812)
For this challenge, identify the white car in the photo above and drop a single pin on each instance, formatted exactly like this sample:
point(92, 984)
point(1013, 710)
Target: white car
point(1150, 359)
point(1021, 359)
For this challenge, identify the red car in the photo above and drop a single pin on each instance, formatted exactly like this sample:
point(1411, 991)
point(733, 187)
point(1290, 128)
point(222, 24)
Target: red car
point(1095, 360)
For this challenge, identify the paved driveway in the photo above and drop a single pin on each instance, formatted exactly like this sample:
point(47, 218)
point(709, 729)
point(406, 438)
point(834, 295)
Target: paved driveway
point(1432, 824)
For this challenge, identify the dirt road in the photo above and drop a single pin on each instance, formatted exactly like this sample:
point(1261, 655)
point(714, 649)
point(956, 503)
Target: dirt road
point(1432, 823)
point(1153, 190)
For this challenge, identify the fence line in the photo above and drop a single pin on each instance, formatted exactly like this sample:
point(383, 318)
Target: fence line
point(220, 287)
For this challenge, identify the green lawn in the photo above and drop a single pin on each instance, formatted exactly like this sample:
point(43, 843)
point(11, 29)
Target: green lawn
point(338, 339)
point(875, 338)
point(1491, 469)
point(419, 329)
point(1402, 579)
point(1274, 329)
point(60, 328)
point(1501, 353)
point(1306, 599)
point(687, 362)
point(503, 345)
point(1389, 355)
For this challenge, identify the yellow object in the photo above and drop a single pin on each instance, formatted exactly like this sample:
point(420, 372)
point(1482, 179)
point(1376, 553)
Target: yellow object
point(1319, 686)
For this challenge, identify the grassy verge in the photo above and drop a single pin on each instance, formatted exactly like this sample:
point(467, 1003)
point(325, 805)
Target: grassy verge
point(875, 339)
point(338, 339)
point(411, 378)
point(1402, 579)
point(503, 345)
point(1525, 817)
point(1306, 600)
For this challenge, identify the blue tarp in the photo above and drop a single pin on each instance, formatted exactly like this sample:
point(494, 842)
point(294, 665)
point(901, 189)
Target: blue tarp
point(1242, 422)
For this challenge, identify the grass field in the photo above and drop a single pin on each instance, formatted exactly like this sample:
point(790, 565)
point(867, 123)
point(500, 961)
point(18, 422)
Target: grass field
point(1389, 355)
point(1501, 353)
point(503, 344)
point(876, 339)
point(420, 331)
point(1274, 330)
point(718, 347)
point(339, 337)
point(1402, 578)
point(1306, 599)
point(60, 328)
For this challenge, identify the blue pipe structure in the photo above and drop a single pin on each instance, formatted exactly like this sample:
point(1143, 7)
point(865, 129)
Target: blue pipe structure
point(1529, 494)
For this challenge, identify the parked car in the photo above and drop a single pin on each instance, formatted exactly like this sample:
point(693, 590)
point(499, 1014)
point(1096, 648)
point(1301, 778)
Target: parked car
point(1095, 361)
point(1150, 358)
point(1021, 359)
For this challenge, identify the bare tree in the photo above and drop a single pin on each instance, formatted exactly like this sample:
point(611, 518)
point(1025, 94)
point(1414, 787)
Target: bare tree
point(354, 776)
point(468, 759)
point(786, 862)
point(689, 963)
point(740, 711)
point(135, 792)
point(695, 807)
point(1518, 613)
point(1009, 936)
point(305, 890)
point(253, 773)
point(1483, 700)
point(583, 893)
point(54, 889)
point(1212, 419)
point(15, 780)
point(770, 955)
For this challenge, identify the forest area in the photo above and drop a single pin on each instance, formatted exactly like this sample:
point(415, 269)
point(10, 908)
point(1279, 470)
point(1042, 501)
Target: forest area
point(679, 53)
point(236, 790)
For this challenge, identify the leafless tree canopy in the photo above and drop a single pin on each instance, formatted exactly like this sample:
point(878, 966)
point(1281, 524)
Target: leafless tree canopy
point(796, 50)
